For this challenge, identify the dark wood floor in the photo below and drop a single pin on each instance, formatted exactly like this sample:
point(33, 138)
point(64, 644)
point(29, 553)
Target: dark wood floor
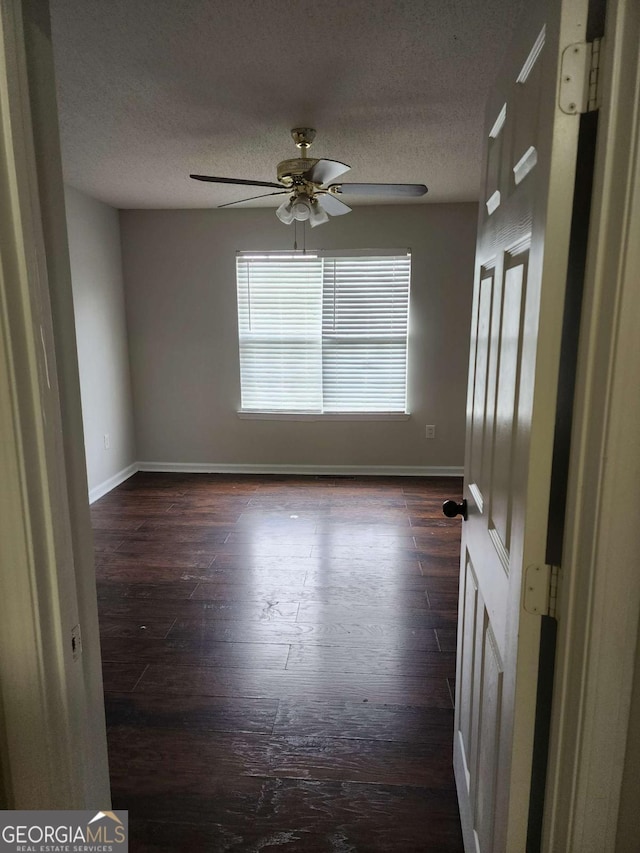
point(279, 659)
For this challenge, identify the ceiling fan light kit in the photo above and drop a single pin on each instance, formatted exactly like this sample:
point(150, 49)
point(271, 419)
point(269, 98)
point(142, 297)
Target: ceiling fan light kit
point(285, 212)
point(308, 183)
point(302, 209)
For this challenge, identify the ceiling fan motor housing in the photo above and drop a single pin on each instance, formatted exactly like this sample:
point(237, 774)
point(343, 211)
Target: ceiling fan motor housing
point(292, 171)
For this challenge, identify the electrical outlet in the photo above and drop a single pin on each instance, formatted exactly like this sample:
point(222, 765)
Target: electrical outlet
point(430, 431)
point(107, 441)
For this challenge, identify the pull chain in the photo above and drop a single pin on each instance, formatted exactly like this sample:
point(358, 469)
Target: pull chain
point(304, 236)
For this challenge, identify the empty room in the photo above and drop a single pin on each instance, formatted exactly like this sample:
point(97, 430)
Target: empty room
point(308, 332)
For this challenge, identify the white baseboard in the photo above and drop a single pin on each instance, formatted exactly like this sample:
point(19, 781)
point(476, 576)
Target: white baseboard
point(112, 482)
point(326, 470)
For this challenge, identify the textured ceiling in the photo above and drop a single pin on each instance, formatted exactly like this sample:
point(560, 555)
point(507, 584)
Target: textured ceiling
point(151, 90)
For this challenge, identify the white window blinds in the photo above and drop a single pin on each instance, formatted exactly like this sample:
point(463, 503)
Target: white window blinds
point(323, 334)
point(365, 308)
point(279, 324)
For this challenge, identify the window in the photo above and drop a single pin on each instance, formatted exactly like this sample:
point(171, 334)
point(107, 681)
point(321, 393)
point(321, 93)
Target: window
point(325, 333)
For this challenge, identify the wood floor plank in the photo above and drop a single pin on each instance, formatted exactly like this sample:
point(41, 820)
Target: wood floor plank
point(197, 538)
point(256, 538)
point(171, 590)
point(187, 652)
point(259, 517)
point(132, 509)
point(264, 523)
point(116, 522)
point(255, 577)
point(361, 595)
point(386, 564)
point(354, 760)
point(128, 626)
point(190, 713)
point(129, 572)
point(369, 595)
point(266, 548)
point(436, 545)
point(184, 554)
point(122, 500)
point(260, 562)
point(350, 634)
point(363, 720)
point(191, 521)
point(405, 575)
point(289, 590)
point(369, 661)
point(313, 611)
point(274, 684)
point(126, 557)
point(352, 535)
point(202, 611)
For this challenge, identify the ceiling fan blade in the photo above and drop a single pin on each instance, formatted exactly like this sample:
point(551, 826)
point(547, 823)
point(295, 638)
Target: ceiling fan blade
point(332, 205)
point(251, 198)
point(326, 170)
point(235, 181)
point(395, 190)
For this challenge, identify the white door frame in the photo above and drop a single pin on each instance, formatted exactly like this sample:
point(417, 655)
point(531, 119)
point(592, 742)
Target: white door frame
point(600, 583)
point(52, 728)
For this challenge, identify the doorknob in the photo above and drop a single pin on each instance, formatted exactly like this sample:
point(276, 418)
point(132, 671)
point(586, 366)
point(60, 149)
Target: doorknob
point(451, 509)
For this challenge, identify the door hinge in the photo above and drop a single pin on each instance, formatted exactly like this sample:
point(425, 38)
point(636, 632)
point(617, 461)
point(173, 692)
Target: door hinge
point(579, 77)
point(540, 595)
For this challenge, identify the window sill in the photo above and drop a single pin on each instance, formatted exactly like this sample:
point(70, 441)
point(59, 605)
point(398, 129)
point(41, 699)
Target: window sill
point(330, 416)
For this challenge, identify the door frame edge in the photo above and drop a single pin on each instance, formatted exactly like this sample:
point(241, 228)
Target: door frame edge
point(600, 593)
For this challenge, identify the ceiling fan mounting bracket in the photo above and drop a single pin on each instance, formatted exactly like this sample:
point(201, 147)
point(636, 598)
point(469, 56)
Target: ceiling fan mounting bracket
point(303, 137)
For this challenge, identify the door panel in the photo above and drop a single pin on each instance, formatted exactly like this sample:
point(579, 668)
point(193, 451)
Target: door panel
point(468, 616)
point(521, 264)
point(481, 378)
point(508, 380)
point(489, 724)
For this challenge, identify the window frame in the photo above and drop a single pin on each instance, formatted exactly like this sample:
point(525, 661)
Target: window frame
point(302, 415)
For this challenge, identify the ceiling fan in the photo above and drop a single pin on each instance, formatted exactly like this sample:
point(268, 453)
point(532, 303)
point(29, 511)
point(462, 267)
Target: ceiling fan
point(307, 183)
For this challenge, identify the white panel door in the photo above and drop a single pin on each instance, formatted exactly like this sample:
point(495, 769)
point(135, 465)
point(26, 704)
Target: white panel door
point(521, 265)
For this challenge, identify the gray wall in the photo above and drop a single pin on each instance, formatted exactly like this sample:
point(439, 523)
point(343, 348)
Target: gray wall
point(103, 355)
point(179, 269)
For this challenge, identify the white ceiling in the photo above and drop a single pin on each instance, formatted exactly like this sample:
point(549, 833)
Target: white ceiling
point(151, 90)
